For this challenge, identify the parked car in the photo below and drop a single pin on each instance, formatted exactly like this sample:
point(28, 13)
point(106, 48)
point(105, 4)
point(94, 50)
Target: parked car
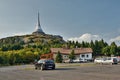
point(76, 60)
point(83, 60)
point(68, 61)
point(118, 58)
point(45, 64)
point(79, 60)
point(106, 60)
point(111, 60)
point(98, 60)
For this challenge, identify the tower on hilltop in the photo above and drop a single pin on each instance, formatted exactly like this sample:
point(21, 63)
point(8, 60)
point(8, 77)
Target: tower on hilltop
point(38, 29)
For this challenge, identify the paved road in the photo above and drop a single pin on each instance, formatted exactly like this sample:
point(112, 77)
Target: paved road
point(62, 72)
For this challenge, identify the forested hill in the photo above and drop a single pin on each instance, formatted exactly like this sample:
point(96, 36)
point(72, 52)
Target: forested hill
point(27, 48)
point(18, 42)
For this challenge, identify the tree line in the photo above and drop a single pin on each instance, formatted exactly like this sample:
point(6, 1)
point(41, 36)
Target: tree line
point(100, 48)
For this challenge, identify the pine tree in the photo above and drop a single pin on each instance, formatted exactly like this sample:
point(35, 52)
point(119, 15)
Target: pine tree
point(59, 57)
point(72, 55)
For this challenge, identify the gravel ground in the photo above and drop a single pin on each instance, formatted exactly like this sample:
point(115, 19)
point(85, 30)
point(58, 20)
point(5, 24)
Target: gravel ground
point(74, 71)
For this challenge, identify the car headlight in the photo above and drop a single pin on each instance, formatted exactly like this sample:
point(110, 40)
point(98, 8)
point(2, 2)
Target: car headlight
point(43, 62)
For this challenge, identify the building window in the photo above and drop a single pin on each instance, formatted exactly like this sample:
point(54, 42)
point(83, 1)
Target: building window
point(83, 55)
point(87, 55)
point(65, 56)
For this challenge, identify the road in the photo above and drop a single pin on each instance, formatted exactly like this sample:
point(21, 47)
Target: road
point(62, 72)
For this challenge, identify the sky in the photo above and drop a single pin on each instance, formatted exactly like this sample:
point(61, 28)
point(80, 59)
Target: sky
point(78, 20)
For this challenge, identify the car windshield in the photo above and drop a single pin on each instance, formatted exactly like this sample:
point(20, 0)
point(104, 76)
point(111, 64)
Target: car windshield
point(109, 58)
point(46, 61)
point(49, 61)
point(98, 59)
point(41, 61)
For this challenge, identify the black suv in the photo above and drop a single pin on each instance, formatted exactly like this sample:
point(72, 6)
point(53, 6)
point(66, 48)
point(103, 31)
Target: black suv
point(45, 64)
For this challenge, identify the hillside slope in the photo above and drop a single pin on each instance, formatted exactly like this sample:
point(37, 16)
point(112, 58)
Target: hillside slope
point(31, 39)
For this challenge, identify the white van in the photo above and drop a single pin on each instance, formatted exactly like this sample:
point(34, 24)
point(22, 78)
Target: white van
point(111, 60)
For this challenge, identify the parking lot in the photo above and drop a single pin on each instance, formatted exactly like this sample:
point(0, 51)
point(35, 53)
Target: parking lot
point(75, 71)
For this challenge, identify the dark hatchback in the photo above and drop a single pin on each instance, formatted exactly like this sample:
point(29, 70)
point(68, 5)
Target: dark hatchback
point(45, 64)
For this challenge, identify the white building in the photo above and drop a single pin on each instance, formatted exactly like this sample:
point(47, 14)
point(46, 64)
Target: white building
point(80, 53)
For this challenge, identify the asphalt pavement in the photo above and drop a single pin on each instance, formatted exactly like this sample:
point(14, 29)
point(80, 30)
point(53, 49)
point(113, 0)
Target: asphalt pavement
point(75, 71)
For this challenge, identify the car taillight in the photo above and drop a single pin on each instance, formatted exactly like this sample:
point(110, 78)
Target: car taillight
point(113, 60)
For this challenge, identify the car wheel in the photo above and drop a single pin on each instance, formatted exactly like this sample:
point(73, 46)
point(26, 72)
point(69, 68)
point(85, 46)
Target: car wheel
point(36, 68)
point(112, 63)
point(41, 68)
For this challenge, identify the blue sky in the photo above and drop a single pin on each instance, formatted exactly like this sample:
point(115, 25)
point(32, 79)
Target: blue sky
point(72, 19)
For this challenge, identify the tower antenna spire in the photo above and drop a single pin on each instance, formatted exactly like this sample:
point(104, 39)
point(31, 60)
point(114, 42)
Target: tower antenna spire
point(38, 28)
point(39, 20)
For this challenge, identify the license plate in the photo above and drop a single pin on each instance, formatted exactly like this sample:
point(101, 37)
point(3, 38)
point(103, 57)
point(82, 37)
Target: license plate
point(50, 66)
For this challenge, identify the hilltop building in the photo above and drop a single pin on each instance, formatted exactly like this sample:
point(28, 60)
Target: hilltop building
point(38, 29)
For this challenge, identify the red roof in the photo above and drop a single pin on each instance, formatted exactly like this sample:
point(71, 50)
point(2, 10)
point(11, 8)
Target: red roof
point(68, 51)
point(47, 56)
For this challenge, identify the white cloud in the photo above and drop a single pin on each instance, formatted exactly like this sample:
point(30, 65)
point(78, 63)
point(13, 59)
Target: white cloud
point(85, 37)
point(115, 39)
point(19, 34)
point(88, 37)
point(13, 34)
